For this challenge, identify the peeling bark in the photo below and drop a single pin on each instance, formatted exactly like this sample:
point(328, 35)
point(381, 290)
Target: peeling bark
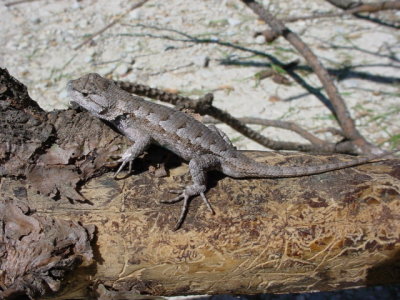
point(36, 251)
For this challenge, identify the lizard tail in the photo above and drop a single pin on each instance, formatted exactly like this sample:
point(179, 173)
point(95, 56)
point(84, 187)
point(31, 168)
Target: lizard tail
point(261, 170)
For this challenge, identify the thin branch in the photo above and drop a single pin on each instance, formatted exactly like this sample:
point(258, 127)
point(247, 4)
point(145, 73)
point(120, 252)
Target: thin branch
point(116, 20)
point(291, 126)
point(204, 106)
point(18, 2)
point(332, 130)
point(341, 112)
point(366, 7)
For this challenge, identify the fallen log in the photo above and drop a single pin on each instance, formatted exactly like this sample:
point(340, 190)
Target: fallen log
point(330, 231)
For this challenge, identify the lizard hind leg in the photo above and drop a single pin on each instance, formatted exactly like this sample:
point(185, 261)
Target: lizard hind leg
point(198, 169)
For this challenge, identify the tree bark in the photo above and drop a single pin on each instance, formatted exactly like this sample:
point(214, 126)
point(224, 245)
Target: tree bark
point(315, 233)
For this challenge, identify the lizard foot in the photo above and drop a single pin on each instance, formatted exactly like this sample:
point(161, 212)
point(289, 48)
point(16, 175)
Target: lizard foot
point(124, 161)
point(185, 196)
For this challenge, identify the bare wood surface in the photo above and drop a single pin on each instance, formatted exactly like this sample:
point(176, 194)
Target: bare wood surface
point(324, 232)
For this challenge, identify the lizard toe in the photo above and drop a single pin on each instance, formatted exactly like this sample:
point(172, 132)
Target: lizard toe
point(207, 203)
point(123, 162)
point(184, 211)
point(176, 199)
point(176, 191)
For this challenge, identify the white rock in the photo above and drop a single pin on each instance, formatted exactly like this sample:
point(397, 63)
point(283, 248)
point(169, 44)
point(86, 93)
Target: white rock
point(76, 5)
point(233, 22)
point(214, 38)
point(121, 69)
point(350, 83)
point(260, 39)
point(36, 20)
point(88, 58)
point(63, 95)
point(200, 60)
point(132, 77)
point(83, 23)
point(135, 14)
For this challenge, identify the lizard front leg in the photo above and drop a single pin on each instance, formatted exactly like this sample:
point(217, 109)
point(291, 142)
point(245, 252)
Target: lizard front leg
point(141, 142)
point(198, 167)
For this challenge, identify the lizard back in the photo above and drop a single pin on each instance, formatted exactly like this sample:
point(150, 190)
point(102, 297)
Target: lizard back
point(171, 128)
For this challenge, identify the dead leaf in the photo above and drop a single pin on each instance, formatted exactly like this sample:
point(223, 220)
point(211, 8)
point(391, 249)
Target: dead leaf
point(264, 74)
point(225, 87)
point(280, 79)
point(171, 91)
point(274, 98)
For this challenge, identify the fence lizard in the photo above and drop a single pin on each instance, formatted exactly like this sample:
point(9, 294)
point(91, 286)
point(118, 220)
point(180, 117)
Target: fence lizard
point(204, 147)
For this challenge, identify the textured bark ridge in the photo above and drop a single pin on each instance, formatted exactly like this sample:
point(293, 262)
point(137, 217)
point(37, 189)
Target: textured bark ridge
point(324, 232)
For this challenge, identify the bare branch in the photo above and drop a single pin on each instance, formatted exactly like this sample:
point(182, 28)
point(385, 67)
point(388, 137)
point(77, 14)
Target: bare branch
point(12, 3)
point(278, 124)
point(367, 7)
point(332, 130)
point(342, 114)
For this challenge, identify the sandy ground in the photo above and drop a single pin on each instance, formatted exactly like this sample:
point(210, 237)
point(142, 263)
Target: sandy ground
point(154, 45)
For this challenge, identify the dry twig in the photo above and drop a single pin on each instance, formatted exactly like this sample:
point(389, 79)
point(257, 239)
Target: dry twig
point(12, 3)
point(341, 111)
point(278, 124)
point(367, 7)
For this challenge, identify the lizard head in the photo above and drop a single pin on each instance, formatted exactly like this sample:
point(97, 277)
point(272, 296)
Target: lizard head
point(94, 93)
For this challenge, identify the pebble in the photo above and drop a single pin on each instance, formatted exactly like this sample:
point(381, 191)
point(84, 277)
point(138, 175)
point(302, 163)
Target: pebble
point(135, 14)
point(260, 39)
point(233, 22)
point(201, 60)
point(75, 5)
point(122, 69)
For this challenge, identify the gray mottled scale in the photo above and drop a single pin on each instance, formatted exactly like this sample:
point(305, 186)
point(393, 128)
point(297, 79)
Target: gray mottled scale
point(175, 121)
point(143, 112)
point(191, 132)
point(130, 105)
point(154, 118)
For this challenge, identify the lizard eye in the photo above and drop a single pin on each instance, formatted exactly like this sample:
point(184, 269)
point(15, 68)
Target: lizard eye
point(84, 94)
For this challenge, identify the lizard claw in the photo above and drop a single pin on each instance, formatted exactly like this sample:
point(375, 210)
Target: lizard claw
point(207, 203)
point(124, 162)
point(175, 192)
point(183, 195)
point(176, 199)
point(183, 212)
